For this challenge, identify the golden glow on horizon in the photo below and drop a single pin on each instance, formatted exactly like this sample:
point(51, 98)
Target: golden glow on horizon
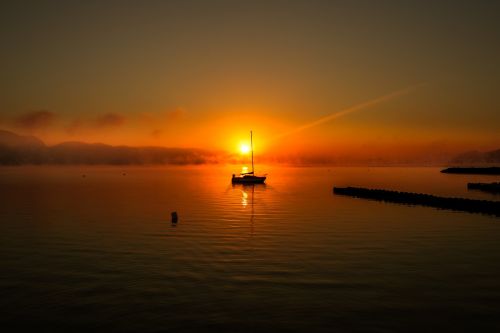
point(349, 134)
point(244, 148)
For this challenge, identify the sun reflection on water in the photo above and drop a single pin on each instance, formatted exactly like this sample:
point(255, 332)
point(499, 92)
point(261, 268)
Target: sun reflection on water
point(244, 198)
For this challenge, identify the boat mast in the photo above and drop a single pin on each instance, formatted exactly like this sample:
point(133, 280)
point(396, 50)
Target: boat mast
point(251, 146)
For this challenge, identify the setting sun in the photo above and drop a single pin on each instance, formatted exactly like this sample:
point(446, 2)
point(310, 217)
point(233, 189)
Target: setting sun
point(244, 148)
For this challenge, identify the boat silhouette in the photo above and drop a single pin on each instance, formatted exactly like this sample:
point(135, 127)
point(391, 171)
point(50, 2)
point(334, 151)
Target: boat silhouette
point(248, 177)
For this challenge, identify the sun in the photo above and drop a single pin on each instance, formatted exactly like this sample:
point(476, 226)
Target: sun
point(244, 148)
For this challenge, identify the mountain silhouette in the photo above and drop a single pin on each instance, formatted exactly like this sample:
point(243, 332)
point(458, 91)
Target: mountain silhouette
point(10, 139)
point(18, 149)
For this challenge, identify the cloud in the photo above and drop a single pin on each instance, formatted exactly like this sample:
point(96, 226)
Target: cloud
point(156, 133)
point(175, 114)
point(160, 123)
point(35, 120)
point(110, 120)
point(74, 126)
point(107, 120)
point(153, 118)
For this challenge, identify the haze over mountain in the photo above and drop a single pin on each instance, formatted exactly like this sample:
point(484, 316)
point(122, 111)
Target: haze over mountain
point(18, 149)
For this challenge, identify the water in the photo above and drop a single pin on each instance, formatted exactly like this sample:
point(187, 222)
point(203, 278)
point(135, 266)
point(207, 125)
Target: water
point(93, 249)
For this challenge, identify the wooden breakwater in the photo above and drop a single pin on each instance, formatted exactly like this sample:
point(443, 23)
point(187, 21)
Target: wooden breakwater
point(409, 198)
point(473, 171)
point(487, 187)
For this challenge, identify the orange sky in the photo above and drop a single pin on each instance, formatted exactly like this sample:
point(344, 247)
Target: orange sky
point(420, 79)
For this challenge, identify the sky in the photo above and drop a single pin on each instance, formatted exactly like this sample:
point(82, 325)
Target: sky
point(349, 80)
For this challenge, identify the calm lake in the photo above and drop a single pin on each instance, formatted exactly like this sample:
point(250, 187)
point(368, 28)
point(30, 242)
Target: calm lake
point(93, 249)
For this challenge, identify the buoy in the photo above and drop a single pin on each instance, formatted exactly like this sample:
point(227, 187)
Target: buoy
point(174, 217)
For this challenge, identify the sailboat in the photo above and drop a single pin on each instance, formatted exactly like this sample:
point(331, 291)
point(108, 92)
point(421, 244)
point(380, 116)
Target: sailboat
point(248, 177)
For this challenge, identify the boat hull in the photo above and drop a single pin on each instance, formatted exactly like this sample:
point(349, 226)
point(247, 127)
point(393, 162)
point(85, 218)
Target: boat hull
point(248, 180)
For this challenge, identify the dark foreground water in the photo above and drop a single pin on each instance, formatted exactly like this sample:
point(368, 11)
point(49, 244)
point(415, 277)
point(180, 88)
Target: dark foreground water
point(98, 253)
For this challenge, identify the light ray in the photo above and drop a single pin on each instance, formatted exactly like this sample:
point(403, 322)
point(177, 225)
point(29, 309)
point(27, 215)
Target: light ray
point(351, 109)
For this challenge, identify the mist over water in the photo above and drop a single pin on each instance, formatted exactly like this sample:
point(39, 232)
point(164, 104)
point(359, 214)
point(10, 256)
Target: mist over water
point(92, 248)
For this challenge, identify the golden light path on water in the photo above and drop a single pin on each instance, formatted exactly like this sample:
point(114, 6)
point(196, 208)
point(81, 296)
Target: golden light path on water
point(95, 248)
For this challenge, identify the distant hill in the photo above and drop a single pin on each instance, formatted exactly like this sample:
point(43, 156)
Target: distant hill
point(9, 139)
point(20, 149)
point(476, 157)
point(17, 150)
